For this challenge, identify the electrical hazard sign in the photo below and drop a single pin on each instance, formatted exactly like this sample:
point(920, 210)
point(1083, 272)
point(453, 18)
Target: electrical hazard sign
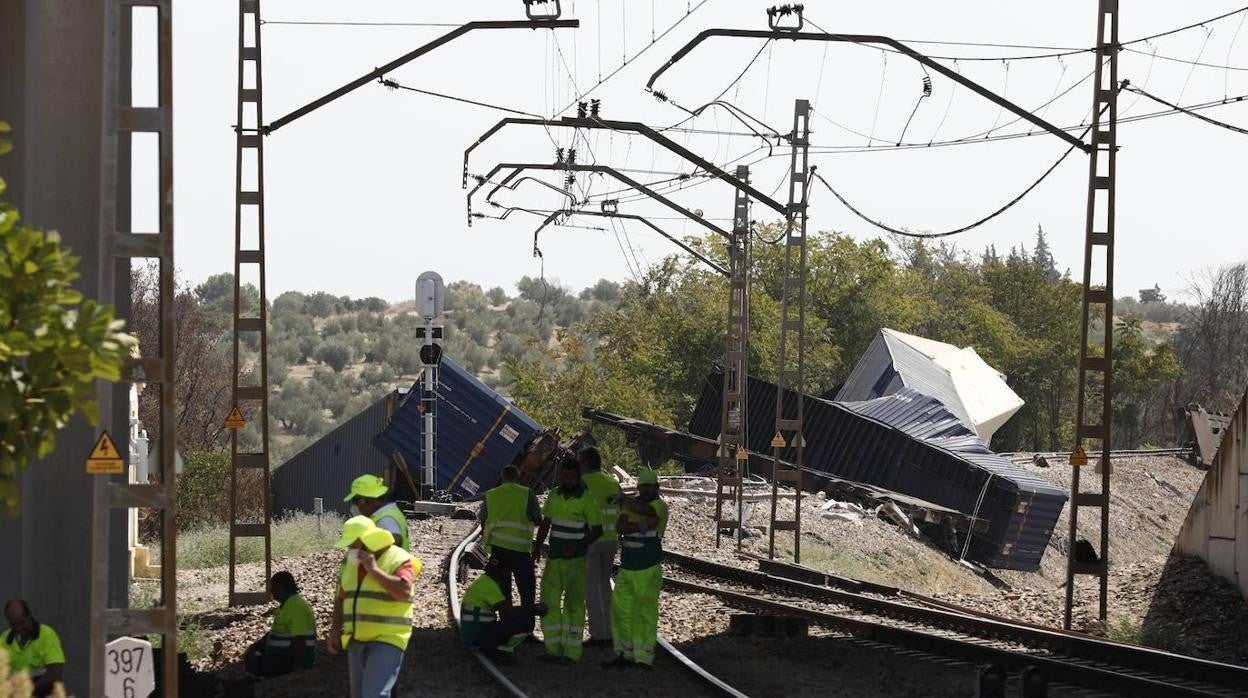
point(104, 458)
point(234, 420)
point(1078, 456)
point(778, 441)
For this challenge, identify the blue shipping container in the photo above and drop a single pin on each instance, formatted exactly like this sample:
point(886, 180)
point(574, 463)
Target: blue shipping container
point(478, 432)
point(909, 443)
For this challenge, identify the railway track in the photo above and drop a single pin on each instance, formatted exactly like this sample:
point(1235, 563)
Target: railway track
point(1182, 452)
point(888, 616)
point(511, 687)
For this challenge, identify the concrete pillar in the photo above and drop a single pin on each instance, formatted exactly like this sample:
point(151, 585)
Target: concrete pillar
point(50, 91)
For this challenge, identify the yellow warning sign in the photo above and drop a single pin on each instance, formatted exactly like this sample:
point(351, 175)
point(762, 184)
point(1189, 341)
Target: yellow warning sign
point(1078, 457)
point(742, 454)
point(104, 458)
point(235, 419)
point(777, 441)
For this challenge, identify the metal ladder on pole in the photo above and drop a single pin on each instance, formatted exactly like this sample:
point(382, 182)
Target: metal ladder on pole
point(252, 466)
point(1096, 369)
point(119, 244)
point(732, 460)
point(790, 374)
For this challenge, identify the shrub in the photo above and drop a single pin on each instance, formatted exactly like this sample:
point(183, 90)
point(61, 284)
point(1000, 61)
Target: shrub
point(335, 354)
point(203, 491)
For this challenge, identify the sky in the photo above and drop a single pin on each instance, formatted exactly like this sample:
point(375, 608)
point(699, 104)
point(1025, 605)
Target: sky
point(365, 193)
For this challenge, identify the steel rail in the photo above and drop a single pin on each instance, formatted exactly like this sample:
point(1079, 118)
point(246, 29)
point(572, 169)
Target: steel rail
point(1084, 675)
point(506, 684)
point(1074, 645)
point(452, 589)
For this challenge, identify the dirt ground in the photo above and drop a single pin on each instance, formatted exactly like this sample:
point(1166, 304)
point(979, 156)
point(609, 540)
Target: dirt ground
point(1155, 599)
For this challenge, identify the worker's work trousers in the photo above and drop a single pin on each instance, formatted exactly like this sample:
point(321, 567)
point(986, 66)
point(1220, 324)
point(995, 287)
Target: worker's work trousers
point(635, 613)
point(521, 567)
point(600, 558)
point(506, 634)
point(373, 669)
point(563, 592)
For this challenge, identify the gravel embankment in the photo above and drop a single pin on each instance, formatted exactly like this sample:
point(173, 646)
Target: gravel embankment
point(1165, 602)
point(433, 656)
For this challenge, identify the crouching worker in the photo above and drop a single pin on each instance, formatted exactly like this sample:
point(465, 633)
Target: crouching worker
point(290, 644)
point(488, 621)
point(635, 603)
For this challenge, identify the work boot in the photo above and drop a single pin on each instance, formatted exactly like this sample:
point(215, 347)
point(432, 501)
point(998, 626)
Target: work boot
point(618, 663)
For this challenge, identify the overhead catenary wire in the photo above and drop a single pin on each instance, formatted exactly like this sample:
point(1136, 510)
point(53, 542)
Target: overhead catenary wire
point(628, 60)
point(1187, 111)
point(906, 233)
point(397, 86)
point(1056, 53)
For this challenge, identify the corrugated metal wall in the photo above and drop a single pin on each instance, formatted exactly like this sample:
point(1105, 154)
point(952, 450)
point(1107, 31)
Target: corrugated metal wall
point(326, 468)
point(1216, 528)
point(478, 431)
point(910, 443)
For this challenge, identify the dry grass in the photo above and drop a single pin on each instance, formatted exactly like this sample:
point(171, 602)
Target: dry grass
point(914, 568)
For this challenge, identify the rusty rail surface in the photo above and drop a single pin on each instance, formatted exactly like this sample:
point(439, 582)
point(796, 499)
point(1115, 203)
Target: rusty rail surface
point(456, 563)
point(1071, 658)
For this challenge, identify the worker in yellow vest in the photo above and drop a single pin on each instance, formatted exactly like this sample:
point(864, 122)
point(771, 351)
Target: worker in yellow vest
point(372, 617)
point(488, 621)
point(604, 488)
point(290, 644)
point(635, 605)
point(367, 497)
point(574, 521)
point(32, 647)
point(509, 515)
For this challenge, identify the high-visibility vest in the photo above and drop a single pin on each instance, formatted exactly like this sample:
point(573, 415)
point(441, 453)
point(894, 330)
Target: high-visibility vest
point(507, 522)
point(479, 601)
point(294, 619)
point(369, 612)
point(639, 551)
point(570, 520)
point(602, 487)
point(391, 511)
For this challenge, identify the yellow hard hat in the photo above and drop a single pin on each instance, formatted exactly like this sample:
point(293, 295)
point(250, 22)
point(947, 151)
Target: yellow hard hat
point(363, 529)
point(366, 486)
point(647, 477)
point(356, 528)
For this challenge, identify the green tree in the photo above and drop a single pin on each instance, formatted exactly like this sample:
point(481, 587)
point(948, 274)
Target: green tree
point(1139, 369)
point(53, 345)
point(336, 354)
point(496, 295)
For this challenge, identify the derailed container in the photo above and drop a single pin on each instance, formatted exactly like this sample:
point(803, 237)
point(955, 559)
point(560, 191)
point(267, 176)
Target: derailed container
point(478, 432)
point(912, 444)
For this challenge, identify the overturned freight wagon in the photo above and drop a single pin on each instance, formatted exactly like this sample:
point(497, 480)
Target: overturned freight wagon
point(478, 432)
point(910, 443)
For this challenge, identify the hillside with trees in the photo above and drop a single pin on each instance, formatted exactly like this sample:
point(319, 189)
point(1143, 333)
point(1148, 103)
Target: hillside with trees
point(644, 347)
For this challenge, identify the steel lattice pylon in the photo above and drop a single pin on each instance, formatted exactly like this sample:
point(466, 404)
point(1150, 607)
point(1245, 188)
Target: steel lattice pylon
point(733, 459)
point(790, 372)
point(120, 244)
point(249, 222)
point(1096, 369)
